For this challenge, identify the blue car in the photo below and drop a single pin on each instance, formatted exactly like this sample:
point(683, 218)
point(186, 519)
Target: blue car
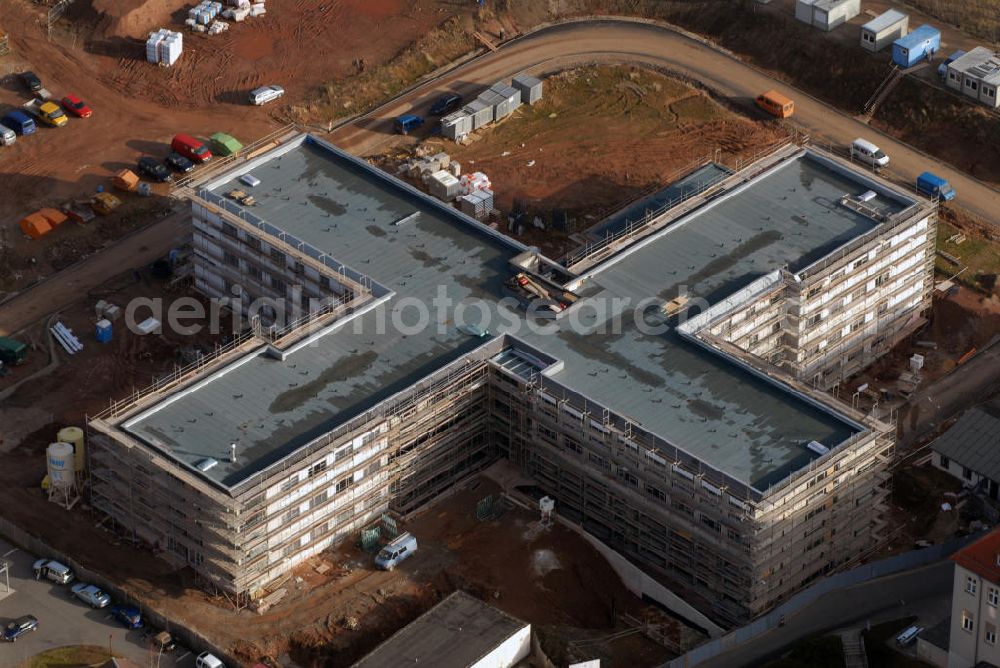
point(128, 615)
point(19, 627)
point(407, 123)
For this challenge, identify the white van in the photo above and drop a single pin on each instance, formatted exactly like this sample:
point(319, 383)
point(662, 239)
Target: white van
point(7, 136)
point(908, 635)
point(869, 153)
point(208, 660)
point(396, 551)
point(52, 570)
point(265, 94)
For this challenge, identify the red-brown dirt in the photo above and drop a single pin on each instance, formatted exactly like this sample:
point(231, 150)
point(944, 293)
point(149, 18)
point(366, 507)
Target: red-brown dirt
point(97, 52)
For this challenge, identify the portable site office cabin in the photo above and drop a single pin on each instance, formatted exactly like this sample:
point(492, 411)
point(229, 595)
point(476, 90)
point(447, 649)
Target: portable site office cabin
point(976, 74)
point(883, 30)
point(826, 14)
point(922, 43)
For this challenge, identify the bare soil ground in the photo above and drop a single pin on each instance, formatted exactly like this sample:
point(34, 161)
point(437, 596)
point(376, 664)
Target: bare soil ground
point(97, 52)
point(600, 138)
point(976, 17)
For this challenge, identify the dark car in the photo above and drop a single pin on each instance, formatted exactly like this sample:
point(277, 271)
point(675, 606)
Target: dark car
point(179, 163)
point(127, 615)
point(31, 81)
point(154, 169)
point(19, 627)
point(446, 104)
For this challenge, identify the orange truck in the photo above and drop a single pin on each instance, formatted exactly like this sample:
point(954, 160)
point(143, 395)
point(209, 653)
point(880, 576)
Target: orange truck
point(776, 104)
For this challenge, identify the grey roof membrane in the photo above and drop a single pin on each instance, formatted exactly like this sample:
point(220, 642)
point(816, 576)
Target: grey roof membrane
point(974, 441)
point(456, 633)
point(746, 427)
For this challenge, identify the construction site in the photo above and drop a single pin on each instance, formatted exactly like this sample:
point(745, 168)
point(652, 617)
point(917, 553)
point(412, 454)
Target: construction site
point(690, 456)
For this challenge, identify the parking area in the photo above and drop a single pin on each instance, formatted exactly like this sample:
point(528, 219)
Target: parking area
point(64, 620)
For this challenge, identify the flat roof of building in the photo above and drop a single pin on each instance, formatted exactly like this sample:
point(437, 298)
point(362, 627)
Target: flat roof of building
point(981, 63)
point(750, 429)
point(884, 20)
point(456, 633)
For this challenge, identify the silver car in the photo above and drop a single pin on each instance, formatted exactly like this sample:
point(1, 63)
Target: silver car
point(265, 94)
point(90, 594)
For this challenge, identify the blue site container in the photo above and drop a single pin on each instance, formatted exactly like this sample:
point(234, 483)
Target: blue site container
point(921, 44)
point(103, 332)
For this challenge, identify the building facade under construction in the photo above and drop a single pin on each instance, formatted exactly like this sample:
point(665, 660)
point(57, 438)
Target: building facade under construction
point(696, 439)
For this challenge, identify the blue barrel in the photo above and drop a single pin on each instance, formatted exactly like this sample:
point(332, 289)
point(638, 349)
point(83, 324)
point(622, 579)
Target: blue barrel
point(103, 331)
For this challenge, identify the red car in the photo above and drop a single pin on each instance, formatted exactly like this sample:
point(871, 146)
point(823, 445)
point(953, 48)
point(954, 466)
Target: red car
point(75, 106)
point(191, 148)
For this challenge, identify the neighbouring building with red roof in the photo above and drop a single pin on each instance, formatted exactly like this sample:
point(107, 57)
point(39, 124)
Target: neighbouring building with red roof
point(975, 605)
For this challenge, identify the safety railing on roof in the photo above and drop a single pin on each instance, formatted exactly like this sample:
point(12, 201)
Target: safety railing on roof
point(742, 168)
point(175, 377)
point(220, 164)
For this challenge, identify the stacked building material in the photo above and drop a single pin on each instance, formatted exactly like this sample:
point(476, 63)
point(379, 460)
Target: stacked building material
point(474, 181)
point(164, 47)
point(204, 12)
point(477, 204)
point(444, 186)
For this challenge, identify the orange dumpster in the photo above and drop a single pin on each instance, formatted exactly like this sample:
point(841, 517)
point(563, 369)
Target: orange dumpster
point(55, 217)
point(126, 180)
point(35, 226)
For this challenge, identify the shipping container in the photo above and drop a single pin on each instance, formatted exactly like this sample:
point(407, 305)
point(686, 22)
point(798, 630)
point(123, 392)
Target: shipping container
point(457, 125)
point(529, 86)
point(481, 113)
point(921, 44)
point(826, 14)
point(883, 30)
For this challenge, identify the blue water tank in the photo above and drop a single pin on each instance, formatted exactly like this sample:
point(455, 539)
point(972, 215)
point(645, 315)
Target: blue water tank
point(103, 332)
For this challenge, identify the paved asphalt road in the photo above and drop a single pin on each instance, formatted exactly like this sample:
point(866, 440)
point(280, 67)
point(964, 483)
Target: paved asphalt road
point(547, 50)
point(63, 620)
point(892, 597)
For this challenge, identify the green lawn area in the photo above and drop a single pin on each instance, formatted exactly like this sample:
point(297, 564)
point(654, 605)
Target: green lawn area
point(77, 656)
point(882, 656)
point(815, 652)
point(981, 256)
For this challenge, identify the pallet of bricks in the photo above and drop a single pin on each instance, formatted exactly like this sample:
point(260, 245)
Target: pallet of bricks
point(4, 43)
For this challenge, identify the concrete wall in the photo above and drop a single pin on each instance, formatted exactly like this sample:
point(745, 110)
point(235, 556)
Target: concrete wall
point(931, 654)
point(509, 652)
point(643, 585)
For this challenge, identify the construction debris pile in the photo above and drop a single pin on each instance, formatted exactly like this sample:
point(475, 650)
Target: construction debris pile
point(206, 16)
point(164, 47)
point(442, 177)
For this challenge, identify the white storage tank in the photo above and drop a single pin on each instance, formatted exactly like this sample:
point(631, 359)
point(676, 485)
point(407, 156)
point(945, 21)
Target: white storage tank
point(61, 465)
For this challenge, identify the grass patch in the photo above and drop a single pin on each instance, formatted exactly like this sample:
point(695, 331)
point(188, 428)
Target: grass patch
point(980, 255)
point(363, 92)
point(979, 18)
point(815, 652)
point(881, 655)
point(77, 656)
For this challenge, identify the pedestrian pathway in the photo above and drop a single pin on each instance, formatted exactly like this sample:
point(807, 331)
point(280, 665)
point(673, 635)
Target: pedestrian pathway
point(854, 649)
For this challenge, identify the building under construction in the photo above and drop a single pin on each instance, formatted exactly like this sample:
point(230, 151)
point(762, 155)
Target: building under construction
point(398, 346)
